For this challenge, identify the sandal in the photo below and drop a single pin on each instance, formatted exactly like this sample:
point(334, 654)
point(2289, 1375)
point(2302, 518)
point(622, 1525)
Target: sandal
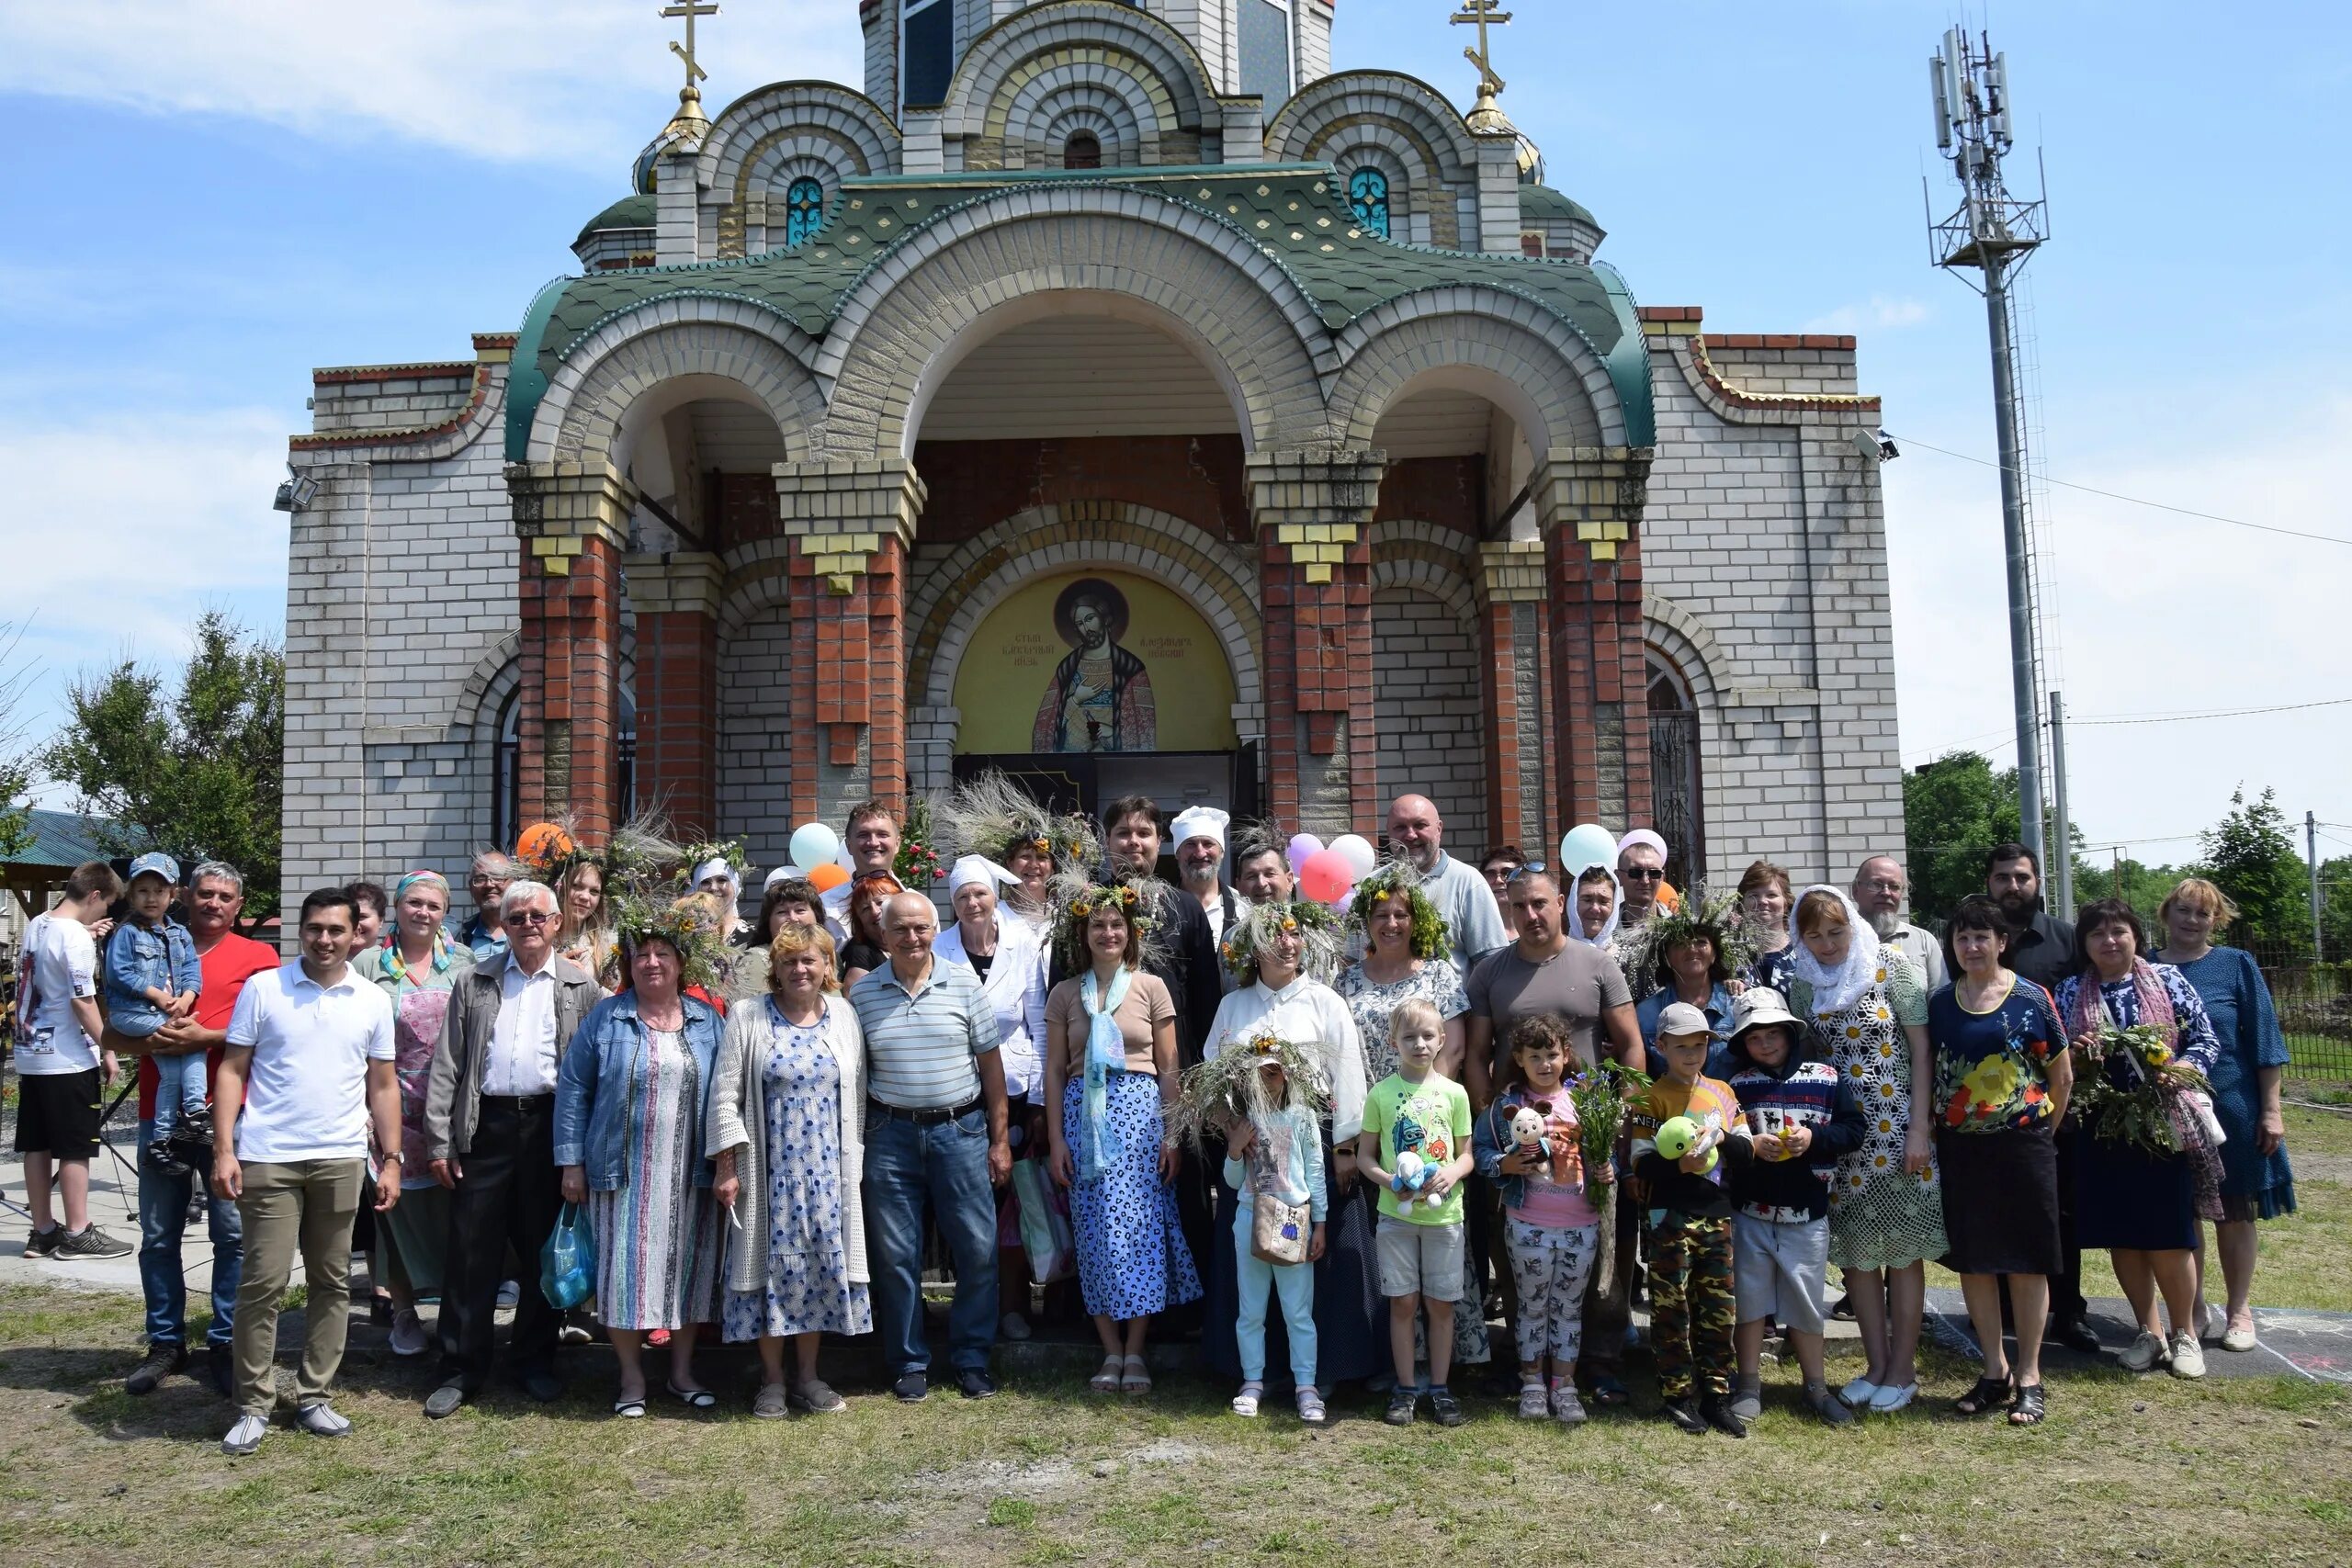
point(1608, 1393)
point(1107, 1380)
point(1245, 1404)
point(1988, 1395)
point(1137, 1378)
point(693, 1398)
point(2029, 1408)
point(629, 1409)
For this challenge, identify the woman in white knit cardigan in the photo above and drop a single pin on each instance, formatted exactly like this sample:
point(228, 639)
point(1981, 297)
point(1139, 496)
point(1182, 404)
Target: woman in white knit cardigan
point(787, 1104)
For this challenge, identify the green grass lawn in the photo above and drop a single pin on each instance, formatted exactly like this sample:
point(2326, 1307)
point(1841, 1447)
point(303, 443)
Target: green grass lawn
point(2127, 1471)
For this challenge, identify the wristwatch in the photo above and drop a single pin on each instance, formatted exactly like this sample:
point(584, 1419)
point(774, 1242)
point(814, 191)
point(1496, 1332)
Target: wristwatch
point(395, 1158)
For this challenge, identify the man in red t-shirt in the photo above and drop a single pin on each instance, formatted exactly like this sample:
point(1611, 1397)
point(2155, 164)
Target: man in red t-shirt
point(216, 893)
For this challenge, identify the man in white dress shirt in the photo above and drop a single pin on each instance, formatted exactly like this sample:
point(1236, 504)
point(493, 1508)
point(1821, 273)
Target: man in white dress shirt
point(489, 1129)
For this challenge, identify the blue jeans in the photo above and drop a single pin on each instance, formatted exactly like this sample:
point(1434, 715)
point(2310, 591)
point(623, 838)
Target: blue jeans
point(946, 1166)
point(163, 1216)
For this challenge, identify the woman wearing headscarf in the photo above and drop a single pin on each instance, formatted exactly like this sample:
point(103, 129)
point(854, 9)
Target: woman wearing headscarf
point(787, 1113)
point(1111, 1067)
point(1599, 905)
point(1279, 953)
point(632, 1096)
point(2141, 1204)
point(2256, 1182)
point(1887, 1216)
point(1010, 959)
point(416, 970)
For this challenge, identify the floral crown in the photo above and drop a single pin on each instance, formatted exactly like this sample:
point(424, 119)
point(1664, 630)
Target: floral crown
point(1232, 1086)
point(1400, 879)
point(1318, 929)
point(1703, 917)
point(1078, 899)
point(688, 924)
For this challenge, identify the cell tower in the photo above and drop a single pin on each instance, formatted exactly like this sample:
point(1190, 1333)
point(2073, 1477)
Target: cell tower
point(1995, 234)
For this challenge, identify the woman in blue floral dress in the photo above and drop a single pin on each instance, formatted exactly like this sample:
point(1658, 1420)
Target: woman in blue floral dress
point(787, 1108)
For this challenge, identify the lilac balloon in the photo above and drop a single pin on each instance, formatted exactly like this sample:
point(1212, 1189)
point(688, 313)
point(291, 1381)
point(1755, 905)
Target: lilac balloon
point(1302, 848)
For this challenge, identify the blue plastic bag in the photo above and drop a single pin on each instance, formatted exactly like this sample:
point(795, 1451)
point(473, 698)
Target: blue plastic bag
point(568, 1261)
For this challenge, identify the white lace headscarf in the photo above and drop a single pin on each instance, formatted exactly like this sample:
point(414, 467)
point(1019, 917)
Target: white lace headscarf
point(1574, 922)
point(1834, 990)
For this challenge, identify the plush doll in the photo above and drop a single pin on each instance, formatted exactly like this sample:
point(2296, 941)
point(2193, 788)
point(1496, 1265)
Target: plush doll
point(1527, 1139)
point(1676, 1136)
point(1413, 1170)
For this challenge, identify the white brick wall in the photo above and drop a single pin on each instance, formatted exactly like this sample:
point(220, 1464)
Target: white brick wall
point(1432, 718)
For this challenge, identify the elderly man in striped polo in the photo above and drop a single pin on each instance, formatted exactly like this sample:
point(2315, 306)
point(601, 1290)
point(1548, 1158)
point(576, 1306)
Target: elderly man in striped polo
point(935, 1134)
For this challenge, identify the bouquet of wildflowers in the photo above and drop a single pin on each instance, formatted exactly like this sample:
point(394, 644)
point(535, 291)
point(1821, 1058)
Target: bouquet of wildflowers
point(1599, 1094)
point(2129, 1089)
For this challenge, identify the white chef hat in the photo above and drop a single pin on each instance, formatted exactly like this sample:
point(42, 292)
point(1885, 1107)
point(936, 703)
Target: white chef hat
point(1199, 822)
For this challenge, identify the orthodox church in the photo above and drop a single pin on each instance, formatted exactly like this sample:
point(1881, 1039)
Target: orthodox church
point(1112, 394)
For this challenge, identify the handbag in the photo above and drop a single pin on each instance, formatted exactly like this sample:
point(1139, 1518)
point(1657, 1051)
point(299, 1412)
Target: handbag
point(1278, 1231)
point(568, 1261)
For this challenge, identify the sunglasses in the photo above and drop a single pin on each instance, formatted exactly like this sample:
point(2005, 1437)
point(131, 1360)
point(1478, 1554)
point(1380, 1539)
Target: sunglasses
point(1518, 871)
point(530, 917)
point(1643, 874)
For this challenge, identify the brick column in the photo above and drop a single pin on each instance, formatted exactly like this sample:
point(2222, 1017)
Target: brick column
point(851, 524)
point(1517, 682)
point(675, 595)
point(1313, 512)
point(1590, 503)
point(571, 520)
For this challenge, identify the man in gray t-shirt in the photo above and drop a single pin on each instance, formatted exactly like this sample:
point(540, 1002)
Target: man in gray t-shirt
point(1544, 972)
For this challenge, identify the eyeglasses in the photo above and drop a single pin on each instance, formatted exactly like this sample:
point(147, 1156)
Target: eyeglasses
point(1642, 874)
point(530, 917)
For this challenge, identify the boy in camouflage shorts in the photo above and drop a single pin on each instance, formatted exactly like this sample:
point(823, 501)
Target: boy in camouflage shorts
point(1693, 1308)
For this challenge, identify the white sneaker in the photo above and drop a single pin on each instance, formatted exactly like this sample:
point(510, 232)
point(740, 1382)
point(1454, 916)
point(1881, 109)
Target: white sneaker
point(2143, 1352)
point(408, 1332)
point(320, 1421)
point(245, 1436)
point(2187, 1356)
point(1534, 1402)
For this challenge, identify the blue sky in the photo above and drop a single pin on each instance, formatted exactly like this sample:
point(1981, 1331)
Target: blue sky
point(215, 196)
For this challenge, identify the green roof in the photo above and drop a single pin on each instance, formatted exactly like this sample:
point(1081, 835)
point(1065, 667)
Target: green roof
point(628, 212)
point(1297, 214)
point(62, 839)
point(1544, 204)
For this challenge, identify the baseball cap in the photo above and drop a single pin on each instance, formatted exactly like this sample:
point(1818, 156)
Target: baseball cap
point(1681, 1017)
point(155, 863)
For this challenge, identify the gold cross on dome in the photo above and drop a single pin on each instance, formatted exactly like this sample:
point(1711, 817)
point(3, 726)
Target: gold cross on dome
point(1480, 14)
point(690, 9)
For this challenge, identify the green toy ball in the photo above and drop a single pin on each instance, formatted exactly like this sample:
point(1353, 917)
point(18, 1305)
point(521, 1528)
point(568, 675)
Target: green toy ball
point(1676, 1136)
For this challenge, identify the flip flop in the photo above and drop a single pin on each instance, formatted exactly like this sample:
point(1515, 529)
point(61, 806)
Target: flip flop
point(629, 1409)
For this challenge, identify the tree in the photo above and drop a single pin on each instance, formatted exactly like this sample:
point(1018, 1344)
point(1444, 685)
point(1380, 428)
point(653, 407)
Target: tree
point(1955, 810)
point(196, 769)
point(16, 764)
point(2252, 857)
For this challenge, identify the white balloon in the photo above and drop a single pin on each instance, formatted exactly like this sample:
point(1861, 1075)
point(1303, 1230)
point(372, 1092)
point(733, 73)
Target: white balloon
point(813, 843)
point(1358, 851)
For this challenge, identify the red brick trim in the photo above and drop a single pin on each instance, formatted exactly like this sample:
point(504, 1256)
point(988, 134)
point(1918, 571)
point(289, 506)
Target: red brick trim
point(482, 372)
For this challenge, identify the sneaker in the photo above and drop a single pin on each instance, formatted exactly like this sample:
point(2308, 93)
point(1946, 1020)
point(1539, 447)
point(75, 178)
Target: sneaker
point(1012, 1326)
point(445, 1401)
point(913, 1388)
point(318, 1419)
point(165, 1357)
point(1401, 1405)
point(1534, 1405)
point(2187, 1356)
point(816, 1397)
point(574, 1333)
point(90, 1243)
point(408, 1332)
point(1749, 1402)
point(974, 1383)
point(1566, 1408)
point(1310, 1408)
point(1832, 1410)
point(1716, 1409)
point(1445, 1407)
point(2143, 1354)
point(1685, 1414)
point(164, 1160)
point(245, 1436)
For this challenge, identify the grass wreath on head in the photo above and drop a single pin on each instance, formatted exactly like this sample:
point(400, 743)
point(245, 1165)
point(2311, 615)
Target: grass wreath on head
point(1320, 938)
point(1400, 879)
point(1705, 917)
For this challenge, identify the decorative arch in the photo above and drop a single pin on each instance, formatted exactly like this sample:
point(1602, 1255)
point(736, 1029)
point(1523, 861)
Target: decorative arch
point(1399, 125)
point(1686, 744)
point(1428, 557)
point(1687, 643)
point(1524, 359)
point(598, 395)
point(1037, 51)
point(766, 117)
point(924, 306)
point(952, 597)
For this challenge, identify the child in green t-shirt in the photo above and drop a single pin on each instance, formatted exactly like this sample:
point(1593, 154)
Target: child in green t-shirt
point(1415, 1149)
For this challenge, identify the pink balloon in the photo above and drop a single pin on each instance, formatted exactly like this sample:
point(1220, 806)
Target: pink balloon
point(1327, 876)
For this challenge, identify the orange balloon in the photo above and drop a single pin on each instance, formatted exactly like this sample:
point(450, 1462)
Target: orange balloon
point(1667, 898)
point(542, 842)
point(825, 878)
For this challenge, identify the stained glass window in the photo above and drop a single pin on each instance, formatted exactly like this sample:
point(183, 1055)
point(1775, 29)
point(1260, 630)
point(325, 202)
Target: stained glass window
point(804, 210)
point(1368, 194)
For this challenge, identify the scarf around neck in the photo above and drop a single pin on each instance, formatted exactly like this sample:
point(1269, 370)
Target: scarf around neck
point(1106, 1052)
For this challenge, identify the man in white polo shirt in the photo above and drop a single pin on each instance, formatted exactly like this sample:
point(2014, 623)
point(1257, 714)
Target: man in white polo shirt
point(310, 1063)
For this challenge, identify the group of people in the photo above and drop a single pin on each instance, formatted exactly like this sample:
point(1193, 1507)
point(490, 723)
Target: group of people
point(1515, 1086)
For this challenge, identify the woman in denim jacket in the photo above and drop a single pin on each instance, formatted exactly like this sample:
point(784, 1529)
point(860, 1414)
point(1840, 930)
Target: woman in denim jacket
point(629, 1107)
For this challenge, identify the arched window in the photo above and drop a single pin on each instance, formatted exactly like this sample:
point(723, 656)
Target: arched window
point(926, 51)
point(1368, 194)
point(804, 210)
point(1674, 772)
point(507, 787)
point(1082, 151)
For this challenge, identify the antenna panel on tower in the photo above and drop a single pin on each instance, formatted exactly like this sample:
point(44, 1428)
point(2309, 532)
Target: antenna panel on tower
point(1943, 104)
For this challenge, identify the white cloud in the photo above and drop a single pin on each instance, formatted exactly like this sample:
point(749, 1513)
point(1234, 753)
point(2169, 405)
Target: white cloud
point(2158, 614)
point(572, 81)
point(1879, 313)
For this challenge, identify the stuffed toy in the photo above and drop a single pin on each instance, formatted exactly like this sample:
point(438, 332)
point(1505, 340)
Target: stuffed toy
point(1527, 1139)
point(1413, 1169)
point(1676, 1136)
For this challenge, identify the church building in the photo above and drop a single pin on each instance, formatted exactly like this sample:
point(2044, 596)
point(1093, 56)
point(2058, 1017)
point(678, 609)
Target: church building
point(1111, 393)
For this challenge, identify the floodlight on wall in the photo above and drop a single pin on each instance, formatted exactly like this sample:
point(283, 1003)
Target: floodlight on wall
point(1873, 446)
point(295, 492)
